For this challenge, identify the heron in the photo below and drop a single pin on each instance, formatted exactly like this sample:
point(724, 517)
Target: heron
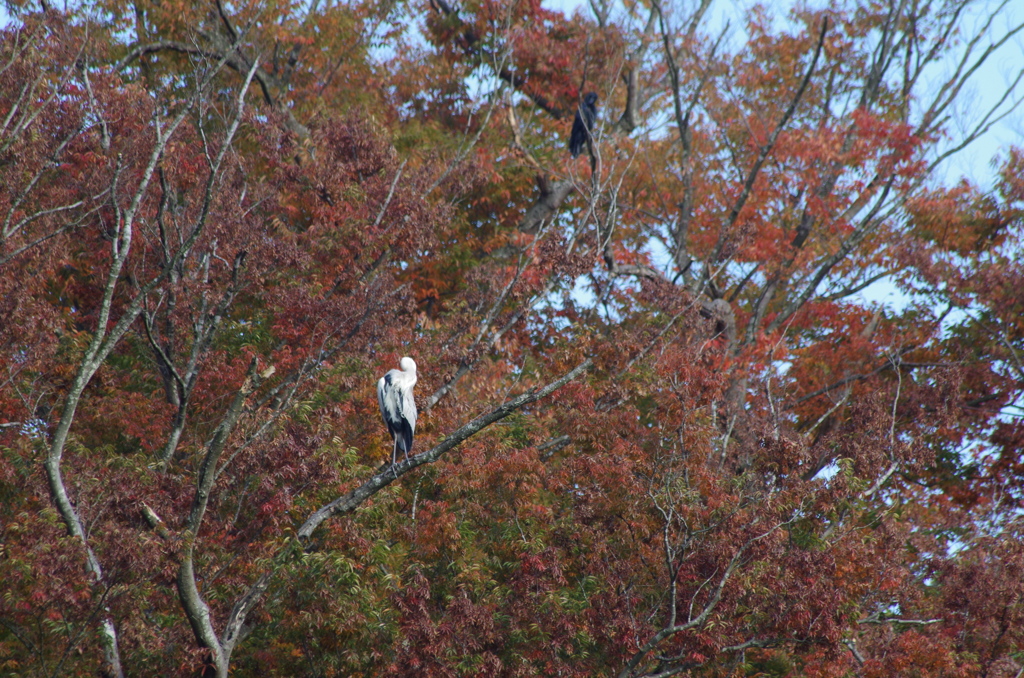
point(583, 124)
point(394, 393)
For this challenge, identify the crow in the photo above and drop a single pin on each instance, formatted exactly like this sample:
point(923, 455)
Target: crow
point(583, 125)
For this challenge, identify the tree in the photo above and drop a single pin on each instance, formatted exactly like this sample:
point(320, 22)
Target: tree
point(719, 461)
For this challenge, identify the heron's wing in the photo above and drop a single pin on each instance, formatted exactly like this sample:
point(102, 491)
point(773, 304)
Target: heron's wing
point(381, 388)
point(409, 408)
point(387, 397)
point(398, 401)
point(403, 436)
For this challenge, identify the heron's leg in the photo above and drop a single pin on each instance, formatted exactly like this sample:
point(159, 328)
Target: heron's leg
point(394, 457)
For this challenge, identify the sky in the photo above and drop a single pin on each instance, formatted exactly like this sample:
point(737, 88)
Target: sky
point(975, 163)
point(990, 81)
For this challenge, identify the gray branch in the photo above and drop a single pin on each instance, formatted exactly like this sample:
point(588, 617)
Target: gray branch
point(389, 473)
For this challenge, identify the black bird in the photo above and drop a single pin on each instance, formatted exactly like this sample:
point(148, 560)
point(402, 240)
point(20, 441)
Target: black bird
point(583, 125)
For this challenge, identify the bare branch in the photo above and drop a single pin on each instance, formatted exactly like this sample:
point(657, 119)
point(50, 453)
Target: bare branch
point(879, 619)
point(700, 619)
point(552, 195)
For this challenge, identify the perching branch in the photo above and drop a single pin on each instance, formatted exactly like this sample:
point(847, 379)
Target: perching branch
point(343, 505)
point(389, 473)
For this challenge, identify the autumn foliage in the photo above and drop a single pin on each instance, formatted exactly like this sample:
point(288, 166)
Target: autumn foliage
point(667, 424)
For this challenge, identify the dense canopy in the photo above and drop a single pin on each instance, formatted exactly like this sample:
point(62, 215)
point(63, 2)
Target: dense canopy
point(668, 422)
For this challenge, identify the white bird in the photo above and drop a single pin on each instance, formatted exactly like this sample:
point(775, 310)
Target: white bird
point(394, 393)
